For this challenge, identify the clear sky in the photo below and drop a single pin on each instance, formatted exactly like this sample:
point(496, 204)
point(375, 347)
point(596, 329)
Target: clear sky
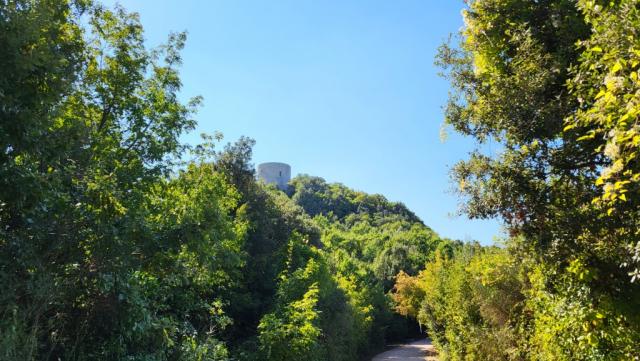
point(342, 89)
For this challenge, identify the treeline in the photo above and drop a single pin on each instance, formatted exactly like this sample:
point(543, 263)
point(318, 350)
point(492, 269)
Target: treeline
point(118, 242)
point(555, 84)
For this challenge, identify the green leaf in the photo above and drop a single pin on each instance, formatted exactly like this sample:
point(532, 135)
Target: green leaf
point(617, 67)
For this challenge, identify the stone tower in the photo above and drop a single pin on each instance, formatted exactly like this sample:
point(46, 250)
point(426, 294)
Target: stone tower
point(275, 173)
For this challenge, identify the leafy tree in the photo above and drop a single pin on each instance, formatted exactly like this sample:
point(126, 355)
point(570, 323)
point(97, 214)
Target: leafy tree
point(469, 301)
point(605, 82)
point(408, 295)
point(90, 119)
point(271, 219)
point(509, 76)
point(539, 79)
point(292, 332)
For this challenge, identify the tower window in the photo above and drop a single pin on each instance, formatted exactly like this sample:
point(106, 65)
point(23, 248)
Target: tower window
point(280, 173)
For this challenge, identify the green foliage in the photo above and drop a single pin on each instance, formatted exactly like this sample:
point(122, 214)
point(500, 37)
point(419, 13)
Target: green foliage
point(365, 250)
point(367, 227)
point(605, 81)
point(359, 256)
point(469, 303)
point(408, 294)
point(577, 322)
point(317, 197)
point(554, 84)
point(310, 304)
point(103, 256)
point(292, 332)
point(272, 219)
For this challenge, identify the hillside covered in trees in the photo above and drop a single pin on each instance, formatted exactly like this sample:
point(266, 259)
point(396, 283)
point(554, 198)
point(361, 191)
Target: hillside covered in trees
point(120, 242)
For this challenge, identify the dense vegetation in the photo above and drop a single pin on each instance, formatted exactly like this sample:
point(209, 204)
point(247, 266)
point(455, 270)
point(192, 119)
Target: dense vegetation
point(117, 242)
point(555, 83)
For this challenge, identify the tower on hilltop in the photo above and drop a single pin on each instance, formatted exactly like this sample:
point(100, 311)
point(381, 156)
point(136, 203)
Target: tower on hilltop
point(275, 173)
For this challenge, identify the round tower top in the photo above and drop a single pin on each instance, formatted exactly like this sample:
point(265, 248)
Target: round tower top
point(275, 173)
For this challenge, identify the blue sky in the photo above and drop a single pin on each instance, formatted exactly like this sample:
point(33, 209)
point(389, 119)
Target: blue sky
point(345, 90)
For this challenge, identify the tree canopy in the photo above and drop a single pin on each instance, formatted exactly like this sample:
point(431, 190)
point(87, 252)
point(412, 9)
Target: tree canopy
point(554, 84)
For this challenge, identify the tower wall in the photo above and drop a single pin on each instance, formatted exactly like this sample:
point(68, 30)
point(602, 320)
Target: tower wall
point(275, 173)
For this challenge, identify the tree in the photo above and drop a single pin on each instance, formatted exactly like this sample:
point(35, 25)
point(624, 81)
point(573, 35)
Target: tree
point(509, 76)
point(90, 118)
point(407, 295)
point(605, 81)
point(559, 181)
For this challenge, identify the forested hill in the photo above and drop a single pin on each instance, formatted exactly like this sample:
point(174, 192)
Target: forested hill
point(119, 242)
point(321, 260)
point(385, 235)
point(315, 196)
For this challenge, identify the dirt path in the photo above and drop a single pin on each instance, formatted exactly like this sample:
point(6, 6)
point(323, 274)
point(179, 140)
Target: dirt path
point(420, 350)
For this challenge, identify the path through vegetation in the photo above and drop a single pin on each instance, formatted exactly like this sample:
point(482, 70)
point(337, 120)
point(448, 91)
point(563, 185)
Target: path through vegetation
point(414, 351)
